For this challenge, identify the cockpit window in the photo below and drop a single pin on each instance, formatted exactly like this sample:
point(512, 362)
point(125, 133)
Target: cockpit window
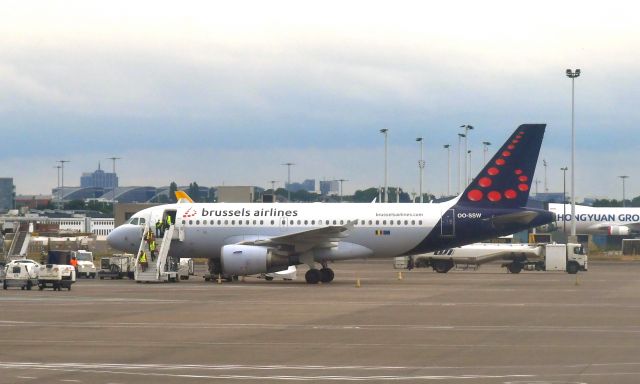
point(136, 221)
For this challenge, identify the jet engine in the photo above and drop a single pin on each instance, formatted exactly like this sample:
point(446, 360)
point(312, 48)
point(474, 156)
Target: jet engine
point(619, 230)
point(243, 260)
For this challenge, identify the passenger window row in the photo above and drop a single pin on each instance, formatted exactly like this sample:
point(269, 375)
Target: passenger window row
point(304, 222)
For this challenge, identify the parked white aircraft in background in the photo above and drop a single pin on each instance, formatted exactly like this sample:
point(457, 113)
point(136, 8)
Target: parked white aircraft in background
point(247, 239)
point(597, 220)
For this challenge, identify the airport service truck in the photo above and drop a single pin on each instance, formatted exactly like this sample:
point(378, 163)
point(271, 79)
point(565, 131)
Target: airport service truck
point(84, 260)
point(58, 272)
point(117, 266)
point(516, 257)
point(569, 258)
point(56, 276)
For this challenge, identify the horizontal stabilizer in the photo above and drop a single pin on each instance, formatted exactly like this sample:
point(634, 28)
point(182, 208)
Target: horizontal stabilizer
point(523, 217)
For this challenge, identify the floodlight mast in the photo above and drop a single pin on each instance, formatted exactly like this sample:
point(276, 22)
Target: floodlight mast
point(572, 75)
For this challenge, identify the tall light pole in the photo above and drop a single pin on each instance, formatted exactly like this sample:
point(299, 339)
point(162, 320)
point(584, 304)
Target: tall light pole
point(485, 149)
point(467, 128)
point(58, 191)
point(468, 181)
point(448, 148)
point(564, 198)
point(460, 136)
point(341, 181)
point(572, 75)
point(62, 182)
point(421, 166)
point(113, 159)
point(544, 163)
point(288, 180)
point(385, 132)
point(623, 191)
point(113, 191)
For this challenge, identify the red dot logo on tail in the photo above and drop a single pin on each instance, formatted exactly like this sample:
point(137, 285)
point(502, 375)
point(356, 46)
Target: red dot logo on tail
point(510, 194)
point(484, 182)
point(475, 195)
point(494, 196)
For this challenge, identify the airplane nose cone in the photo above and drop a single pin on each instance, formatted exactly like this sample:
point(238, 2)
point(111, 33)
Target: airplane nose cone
point(114, 239)
point(125, 238)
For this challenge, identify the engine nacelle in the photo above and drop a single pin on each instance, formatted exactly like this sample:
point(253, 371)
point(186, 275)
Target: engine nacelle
point(619, 230)
point(250, 260)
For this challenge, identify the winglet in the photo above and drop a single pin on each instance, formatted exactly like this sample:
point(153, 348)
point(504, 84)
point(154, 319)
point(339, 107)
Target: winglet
point(182, 197)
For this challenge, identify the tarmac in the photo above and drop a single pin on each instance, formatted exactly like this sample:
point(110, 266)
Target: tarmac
point(484, 326)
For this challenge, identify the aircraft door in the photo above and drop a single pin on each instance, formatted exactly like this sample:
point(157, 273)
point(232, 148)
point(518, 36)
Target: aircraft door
point(448, 223)
point(179, 228)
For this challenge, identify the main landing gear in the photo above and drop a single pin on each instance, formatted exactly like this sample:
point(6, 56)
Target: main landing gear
point(314, 276)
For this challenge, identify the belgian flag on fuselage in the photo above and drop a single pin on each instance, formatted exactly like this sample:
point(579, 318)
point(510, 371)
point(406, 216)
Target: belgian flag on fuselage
point(505, 181)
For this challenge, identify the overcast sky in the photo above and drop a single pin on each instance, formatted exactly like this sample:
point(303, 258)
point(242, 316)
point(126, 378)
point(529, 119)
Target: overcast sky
point(225, 92)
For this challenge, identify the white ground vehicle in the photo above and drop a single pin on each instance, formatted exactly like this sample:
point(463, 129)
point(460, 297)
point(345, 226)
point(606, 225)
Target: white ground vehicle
point(185, 268)
point(555, 257)
point(21, 273)
point(539, 257)
point(56, 276)
point(86, 267)
point(117, 266)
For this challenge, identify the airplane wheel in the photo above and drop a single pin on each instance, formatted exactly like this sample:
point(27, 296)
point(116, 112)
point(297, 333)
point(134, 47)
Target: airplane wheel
point(312, 276)
point(515, 267)
point(572, 268)
point(268, 278)
point(326, 275)
point(442, 266)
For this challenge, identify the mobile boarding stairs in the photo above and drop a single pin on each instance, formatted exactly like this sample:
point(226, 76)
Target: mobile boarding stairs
point(163, 268)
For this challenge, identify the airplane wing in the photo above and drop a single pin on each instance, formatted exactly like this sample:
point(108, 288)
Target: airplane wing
point(324, 237)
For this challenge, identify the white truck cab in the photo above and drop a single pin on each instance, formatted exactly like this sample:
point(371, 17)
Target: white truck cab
point(86, 266)
point(21, 273)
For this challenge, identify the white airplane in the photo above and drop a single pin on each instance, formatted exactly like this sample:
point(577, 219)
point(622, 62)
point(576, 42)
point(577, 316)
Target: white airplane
point(597, 220)
point(255, 238)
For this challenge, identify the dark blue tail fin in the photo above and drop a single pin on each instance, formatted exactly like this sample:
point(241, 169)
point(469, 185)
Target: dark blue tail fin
point(505, 181)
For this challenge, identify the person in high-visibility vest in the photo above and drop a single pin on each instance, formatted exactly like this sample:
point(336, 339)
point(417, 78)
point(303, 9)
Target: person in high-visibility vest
point(158, 228)
point(168, 223)
point(152, 249)
point(143, 260)
point(74, 262)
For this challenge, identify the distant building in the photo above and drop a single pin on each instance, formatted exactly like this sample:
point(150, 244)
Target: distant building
point(308, 185)
point(99, 179)
point(329, 187)
point(7, 193)
point(549, 197)
point(33, 201)
point(236, 194)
